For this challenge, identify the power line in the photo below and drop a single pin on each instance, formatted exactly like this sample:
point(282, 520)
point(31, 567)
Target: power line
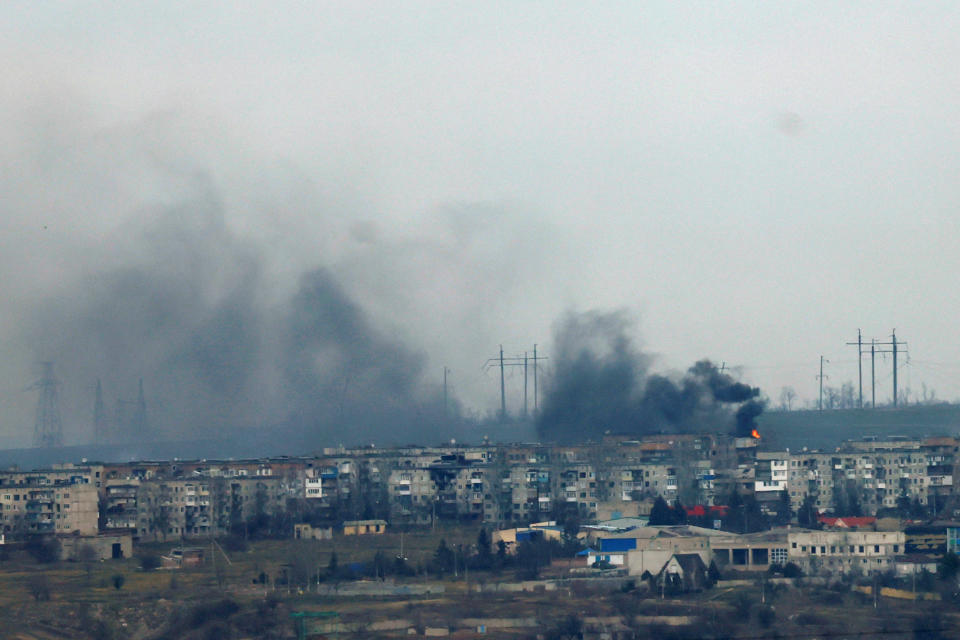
point(516, 361)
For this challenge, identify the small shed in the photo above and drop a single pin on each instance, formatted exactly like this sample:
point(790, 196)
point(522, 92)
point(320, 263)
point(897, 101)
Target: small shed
point(364, 527)
point(304, 531)
point(185, 557)
point(106, 546)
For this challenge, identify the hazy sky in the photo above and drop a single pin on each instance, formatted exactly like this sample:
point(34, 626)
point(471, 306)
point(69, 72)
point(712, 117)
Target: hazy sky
point(754, 181)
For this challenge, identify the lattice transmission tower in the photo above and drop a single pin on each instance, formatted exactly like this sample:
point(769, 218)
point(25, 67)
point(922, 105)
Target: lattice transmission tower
point(48, 428)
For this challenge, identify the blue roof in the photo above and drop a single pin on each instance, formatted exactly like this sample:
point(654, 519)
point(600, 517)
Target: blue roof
point(617, 544)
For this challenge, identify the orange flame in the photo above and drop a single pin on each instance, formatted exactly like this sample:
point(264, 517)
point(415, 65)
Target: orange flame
point(755, 434)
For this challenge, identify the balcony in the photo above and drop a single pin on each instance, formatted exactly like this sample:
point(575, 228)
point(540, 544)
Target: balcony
point(39, 517)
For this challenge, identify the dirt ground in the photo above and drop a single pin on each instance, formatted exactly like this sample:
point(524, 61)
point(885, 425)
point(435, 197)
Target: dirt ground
point(222, 600)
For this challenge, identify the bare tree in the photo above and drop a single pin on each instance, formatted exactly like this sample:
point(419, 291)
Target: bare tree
point(903, 396)
point(787, 396)
point(847, 393)
point(87, 555)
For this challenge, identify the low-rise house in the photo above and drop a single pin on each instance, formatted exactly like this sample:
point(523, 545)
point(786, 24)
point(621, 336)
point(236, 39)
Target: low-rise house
point(105, 546)
point(914, 564)
point(536, 531)
point(364, 527)
point(304, 531)
point(646, 549)
point(684, 572)
point(848, 522)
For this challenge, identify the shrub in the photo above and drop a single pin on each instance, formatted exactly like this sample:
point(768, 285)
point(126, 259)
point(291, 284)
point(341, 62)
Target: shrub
point(766, 615)
point(742, 603)
point(39, 587)
point(235, 544)
point(43, 549)
point(150, 562)
point(117, 581)
point(569, 627)
point(203, 613)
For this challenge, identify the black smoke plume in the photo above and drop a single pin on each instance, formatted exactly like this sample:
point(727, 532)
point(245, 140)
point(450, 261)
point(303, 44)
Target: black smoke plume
point(602, 383)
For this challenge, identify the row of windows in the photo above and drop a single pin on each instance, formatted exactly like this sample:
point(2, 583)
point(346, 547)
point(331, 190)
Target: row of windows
point(851, 548)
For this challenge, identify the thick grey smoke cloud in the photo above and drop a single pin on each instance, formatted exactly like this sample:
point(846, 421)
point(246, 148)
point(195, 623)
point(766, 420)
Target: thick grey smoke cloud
point(244, 291)
point(194, 316)
point(603, 383)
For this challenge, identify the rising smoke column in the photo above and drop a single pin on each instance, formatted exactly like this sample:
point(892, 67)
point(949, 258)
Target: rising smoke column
point(602, 383)
point(597, 373)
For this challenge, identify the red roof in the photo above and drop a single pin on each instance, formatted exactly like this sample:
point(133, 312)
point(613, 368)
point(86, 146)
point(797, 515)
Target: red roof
point(847, 523)
point(699, 511)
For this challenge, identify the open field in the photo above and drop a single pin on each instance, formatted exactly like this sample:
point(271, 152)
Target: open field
point(222, 601)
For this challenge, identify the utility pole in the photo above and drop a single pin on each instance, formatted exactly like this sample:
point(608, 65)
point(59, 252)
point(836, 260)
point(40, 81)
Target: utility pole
point(536, 408)
point(859, 344)
point(896, 346)
point(536, 365)
point(503, 397)
point(820, 377)
point(873, 380)
point(893, 336)
point(524, 384)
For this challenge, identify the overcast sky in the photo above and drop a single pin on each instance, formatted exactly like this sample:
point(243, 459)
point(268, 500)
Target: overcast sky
point(754, 181)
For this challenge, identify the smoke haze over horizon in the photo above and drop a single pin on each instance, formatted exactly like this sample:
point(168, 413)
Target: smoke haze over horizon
point(305, 212)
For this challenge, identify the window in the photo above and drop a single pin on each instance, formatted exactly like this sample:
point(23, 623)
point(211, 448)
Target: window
point(861, 548)
point(876, 548)
point(778, 556)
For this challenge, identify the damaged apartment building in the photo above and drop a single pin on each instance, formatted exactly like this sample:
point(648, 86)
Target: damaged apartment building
point(496, 484)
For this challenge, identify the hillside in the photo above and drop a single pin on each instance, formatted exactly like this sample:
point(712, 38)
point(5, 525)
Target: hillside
point(827, 429)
